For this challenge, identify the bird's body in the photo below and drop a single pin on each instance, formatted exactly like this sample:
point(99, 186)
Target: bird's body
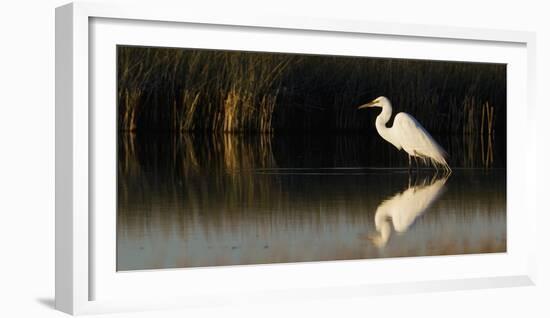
point(408, 134)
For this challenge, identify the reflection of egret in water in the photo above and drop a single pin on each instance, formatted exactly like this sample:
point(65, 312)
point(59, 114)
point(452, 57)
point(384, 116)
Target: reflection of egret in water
point(188, 200)
point(404, 208)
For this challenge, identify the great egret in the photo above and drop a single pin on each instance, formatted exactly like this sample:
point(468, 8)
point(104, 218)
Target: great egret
point(408, 134)
point(404, 208)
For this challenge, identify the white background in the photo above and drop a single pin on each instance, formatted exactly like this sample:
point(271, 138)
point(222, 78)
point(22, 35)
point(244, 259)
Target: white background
point(27, 159)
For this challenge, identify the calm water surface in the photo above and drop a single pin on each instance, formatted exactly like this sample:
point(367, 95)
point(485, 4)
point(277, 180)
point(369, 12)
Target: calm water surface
point(191, 200)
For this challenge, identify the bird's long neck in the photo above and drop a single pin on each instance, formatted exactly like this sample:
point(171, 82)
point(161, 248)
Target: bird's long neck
point(382, 223)
point(382, 120)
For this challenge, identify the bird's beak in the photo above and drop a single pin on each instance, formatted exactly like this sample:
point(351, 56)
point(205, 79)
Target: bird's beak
point(366, 105)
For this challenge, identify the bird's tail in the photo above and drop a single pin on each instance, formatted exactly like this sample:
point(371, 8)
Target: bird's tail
point(439, 160)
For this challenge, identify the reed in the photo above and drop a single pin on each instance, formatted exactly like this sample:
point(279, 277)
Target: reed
point(168, 89)
point(165, 89)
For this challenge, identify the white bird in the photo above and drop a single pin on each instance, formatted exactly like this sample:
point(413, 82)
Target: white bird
point(408, 134)
point(404, 208)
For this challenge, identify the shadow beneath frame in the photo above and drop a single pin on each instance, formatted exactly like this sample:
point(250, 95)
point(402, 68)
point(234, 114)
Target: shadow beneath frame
point(47, 302)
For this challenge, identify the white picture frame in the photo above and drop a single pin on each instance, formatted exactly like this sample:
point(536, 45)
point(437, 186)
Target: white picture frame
point(76, 161)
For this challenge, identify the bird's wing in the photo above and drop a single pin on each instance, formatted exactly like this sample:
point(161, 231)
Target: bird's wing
point(416, 140)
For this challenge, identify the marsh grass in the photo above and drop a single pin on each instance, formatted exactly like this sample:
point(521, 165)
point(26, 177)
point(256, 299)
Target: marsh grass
point(181, 90)
point(166, 89)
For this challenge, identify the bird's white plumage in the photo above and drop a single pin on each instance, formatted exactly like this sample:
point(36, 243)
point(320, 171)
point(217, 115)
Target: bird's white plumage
point(408, 134)
point(416, 141)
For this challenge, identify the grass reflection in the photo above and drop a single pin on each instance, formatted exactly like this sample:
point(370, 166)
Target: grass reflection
point(202, 200)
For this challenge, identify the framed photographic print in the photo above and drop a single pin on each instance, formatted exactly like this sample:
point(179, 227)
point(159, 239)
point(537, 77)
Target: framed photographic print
point(203, 158)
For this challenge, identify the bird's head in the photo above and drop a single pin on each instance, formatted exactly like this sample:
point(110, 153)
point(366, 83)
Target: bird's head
point(377, 102)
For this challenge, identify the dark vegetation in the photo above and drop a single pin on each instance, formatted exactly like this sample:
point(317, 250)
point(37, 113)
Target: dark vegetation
point(167, 89)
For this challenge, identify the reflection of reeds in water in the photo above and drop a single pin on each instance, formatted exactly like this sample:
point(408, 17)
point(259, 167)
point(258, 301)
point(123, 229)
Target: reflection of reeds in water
point(195, 200)
point(231, 167)
point(189, 159)
point(487, 136)
point(189, 166)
